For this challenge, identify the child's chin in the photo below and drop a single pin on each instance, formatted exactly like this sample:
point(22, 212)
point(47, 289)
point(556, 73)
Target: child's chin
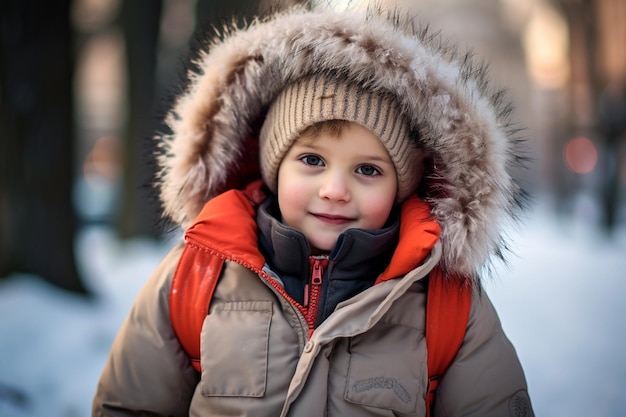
point(322, 247)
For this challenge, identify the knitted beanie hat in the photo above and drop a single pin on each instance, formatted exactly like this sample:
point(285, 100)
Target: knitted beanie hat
point(319, 98)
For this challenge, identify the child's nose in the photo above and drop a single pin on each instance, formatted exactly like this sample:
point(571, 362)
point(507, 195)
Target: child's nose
point(335, 187)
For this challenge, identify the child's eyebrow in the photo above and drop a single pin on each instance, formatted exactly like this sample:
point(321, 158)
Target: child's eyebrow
point(305, 146)
point(306, 143)
point(309, 144)
point(362, 157)
point(377, 158)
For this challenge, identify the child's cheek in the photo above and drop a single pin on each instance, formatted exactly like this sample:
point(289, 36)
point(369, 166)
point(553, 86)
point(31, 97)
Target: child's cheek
point(377, 208)
point(292, 196)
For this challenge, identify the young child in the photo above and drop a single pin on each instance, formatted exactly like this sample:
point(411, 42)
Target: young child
point(383, 160)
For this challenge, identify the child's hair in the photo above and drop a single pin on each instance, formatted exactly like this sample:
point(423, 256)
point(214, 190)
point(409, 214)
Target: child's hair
point(332, 127)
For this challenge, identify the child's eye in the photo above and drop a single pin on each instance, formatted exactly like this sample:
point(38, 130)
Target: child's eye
point(313, 160)
point(368, 170)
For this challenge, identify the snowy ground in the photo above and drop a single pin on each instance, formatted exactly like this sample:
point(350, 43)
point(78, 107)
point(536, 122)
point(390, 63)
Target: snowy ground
point(561, 301)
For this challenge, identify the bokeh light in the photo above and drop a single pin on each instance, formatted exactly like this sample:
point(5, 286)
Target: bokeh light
point(580, 155)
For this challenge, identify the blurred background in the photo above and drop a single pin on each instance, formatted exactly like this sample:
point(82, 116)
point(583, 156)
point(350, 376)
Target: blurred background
point(84, 85)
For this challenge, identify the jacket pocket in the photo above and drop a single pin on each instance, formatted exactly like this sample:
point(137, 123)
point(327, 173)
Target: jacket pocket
point(386, 369)
point(234, 349)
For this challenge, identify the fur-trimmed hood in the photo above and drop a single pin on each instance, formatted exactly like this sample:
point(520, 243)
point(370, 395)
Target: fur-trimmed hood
point(446, 97)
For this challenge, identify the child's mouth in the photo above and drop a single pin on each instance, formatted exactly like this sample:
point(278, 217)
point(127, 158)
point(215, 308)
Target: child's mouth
point(332, 218)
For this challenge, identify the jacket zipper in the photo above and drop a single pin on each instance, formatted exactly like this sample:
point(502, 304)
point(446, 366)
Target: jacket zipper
point(313, 289)
point(306, 313)
point(264, 275)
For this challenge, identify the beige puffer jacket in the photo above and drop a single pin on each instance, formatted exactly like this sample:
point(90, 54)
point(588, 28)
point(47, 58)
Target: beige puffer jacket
point(461, 122)
point(367, 359)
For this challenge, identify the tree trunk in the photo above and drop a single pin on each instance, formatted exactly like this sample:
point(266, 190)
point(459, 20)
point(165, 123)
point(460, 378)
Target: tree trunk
point(37, 218)
point(139, 215)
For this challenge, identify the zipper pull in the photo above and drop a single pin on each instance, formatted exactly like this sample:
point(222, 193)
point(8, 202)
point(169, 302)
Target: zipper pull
point(317, 270)
point(315, 279)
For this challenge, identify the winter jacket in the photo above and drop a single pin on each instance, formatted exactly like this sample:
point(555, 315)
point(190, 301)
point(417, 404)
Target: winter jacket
point(261, 357)
point(368, 356)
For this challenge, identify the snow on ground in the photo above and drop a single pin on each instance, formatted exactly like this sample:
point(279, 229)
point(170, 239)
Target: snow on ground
point(53, 344)
point(561, 301)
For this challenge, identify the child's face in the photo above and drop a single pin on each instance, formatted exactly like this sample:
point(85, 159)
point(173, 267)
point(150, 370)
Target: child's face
point(329, 184)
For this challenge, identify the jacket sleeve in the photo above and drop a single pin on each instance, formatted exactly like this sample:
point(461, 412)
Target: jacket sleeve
point(147, 371)
point(486, 377)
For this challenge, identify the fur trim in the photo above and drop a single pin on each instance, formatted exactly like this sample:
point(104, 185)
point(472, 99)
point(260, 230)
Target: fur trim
point(445, 96)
